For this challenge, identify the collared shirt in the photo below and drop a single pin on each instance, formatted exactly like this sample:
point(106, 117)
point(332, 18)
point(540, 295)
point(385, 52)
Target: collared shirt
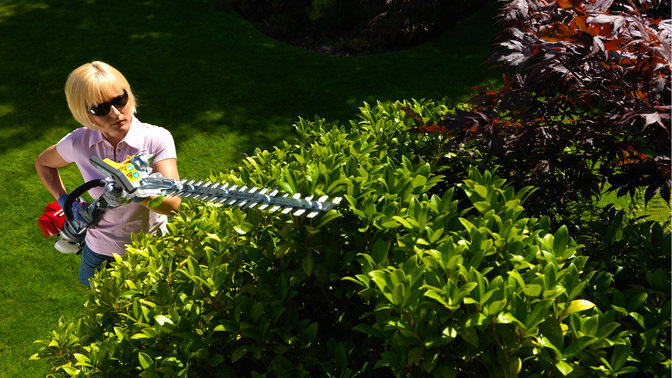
point(113, 232)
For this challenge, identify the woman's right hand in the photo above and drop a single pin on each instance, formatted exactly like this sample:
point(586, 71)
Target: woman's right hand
point(114, 195)
point(78, 207)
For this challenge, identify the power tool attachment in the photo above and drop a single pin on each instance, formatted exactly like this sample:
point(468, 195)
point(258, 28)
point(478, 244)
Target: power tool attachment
point(133, 180)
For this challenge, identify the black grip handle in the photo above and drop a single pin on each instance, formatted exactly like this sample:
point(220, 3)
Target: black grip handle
point(75, 194)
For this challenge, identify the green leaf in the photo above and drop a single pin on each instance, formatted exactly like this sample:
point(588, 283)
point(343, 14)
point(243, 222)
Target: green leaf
point(149, 331)
point(238, 353)
point(470, 335)
point(403, 221)
point(379, 277)
point(474, 320)
point(661, 280)
point(429, 361)
point(194, 268)
point(511, 204)
point(532, 290)
point(546, 343)
point(380, 250)
point(389, 224)
point(620, 356)
point(553, 332)
point(537, 314)
point(481, 190)
point(368, 330)
point(496, 307)
point(560, 241)
point(564, 367)
point(242, 229)
point(578, 345)
point(606, 330)
point(398, 294)
point(437, 296)
point(327, 217)
point(419, 181)
point(415, 354)
point(579, 305)
point(82, 360)
point(549, 276)
point(225, 326)
point(311, 332)
point(614, 228)
point(216, 360)
point(71, 371)
point(508, 318)
point(590, 326)
point(449, 334)
point(119, 333)
point(341, 357)
point(145, 360)
point(639, 318)
point(155, 202)
point(482, 206)
point(636, 301)
point(307, 264)
point(547, 241)
point(162, 319)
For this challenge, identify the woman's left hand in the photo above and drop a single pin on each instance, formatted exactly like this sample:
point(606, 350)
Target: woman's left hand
point(168, 206)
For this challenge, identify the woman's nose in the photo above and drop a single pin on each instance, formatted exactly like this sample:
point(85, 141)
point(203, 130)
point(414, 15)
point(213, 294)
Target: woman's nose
point(114, 110)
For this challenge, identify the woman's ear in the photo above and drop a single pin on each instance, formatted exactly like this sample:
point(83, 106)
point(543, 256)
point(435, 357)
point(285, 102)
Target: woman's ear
point(92, 121)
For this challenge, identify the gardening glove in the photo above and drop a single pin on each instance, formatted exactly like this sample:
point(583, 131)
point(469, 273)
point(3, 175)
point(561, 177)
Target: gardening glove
point(115, 196)
point(79, 210)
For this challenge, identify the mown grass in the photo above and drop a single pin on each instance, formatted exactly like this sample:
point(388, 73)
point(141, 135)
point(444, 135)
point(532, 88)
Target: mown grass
point(198, 69)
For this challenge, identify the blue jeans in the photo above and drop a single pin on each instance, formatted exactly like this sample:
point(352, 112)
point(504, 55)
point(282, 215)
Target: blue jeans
point(91, 262)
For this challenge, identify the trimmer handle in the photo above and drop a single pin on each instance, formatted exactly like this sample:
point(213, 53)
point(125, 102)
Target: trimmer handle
point(67, 207)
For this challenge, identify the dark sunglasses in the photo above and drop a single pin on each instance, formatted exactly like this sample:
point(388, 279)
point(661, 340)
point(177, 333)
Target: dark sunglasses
point(102, 109)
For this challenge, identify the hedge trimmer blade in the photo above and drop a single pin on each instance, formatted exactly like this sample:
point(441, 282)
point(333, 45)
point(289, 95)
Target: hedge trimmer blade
point(133, 176)
point(245, 197)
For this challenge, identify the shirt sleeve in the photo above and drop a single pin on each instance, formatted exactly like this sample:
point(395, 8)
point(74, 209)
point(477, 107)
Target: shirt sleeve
point(165, 147)
point(65, 148)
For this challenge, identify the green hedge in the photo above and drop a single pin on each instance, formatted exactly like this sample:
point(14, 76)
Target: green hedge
point(407, 277)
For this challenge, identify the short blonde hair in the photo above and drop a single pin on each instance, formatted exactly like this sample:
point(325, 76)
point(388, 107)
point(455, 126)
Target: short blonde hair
point(91, 84)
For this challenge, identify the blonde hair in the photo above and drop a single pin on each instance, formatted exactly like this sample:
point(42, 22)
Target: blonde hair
point(91, 84)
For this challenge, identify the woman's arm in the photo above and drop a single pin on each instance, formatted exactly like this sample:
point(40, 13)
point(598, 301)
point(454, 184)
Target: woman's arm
point(169, 205)
point(46, 165)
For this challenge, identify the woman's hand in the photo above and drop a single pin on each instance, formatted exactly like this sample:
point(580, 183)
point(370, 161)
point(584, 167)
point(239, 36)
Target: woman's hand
point(168, 206)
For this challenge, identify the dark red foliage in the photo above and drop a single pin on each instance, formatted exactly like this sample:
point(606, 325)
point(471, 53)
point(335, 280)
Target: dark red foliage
point(587, 98)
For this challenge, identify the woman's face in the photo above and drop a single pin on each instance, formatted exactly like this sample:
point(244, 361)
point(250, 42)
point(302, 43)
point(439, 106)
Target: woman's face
point(115, 124)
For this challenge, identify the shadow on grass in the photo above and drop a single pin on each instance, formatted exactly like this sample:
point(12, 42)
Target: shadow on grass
point(199, 68)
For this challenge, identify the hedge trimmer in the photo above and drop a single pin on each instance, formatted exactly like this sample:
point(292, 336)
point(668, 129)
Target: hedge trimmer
point(134, 179)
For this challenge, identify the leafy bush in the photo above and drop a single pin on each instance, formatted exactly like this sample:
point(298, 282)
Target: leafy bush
point(586, 100)
point(405, 278)
point(633, 261)
point(356, 26)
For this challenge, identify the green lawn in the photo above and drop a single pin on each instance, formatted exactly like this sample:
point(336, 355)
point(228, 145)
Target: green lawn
point(199, 70)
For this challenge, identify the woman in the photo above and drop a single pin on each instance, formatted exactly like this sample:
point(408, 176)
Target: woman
point(100, 98)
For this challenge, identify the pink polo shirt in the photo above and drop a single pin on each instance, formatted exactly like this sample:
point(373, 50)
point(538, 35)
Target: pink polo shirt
point(113, 232)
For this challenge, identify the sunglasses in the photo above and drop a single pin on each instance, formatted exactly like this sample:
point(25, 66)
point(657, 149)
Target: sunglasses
point(102, 109)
